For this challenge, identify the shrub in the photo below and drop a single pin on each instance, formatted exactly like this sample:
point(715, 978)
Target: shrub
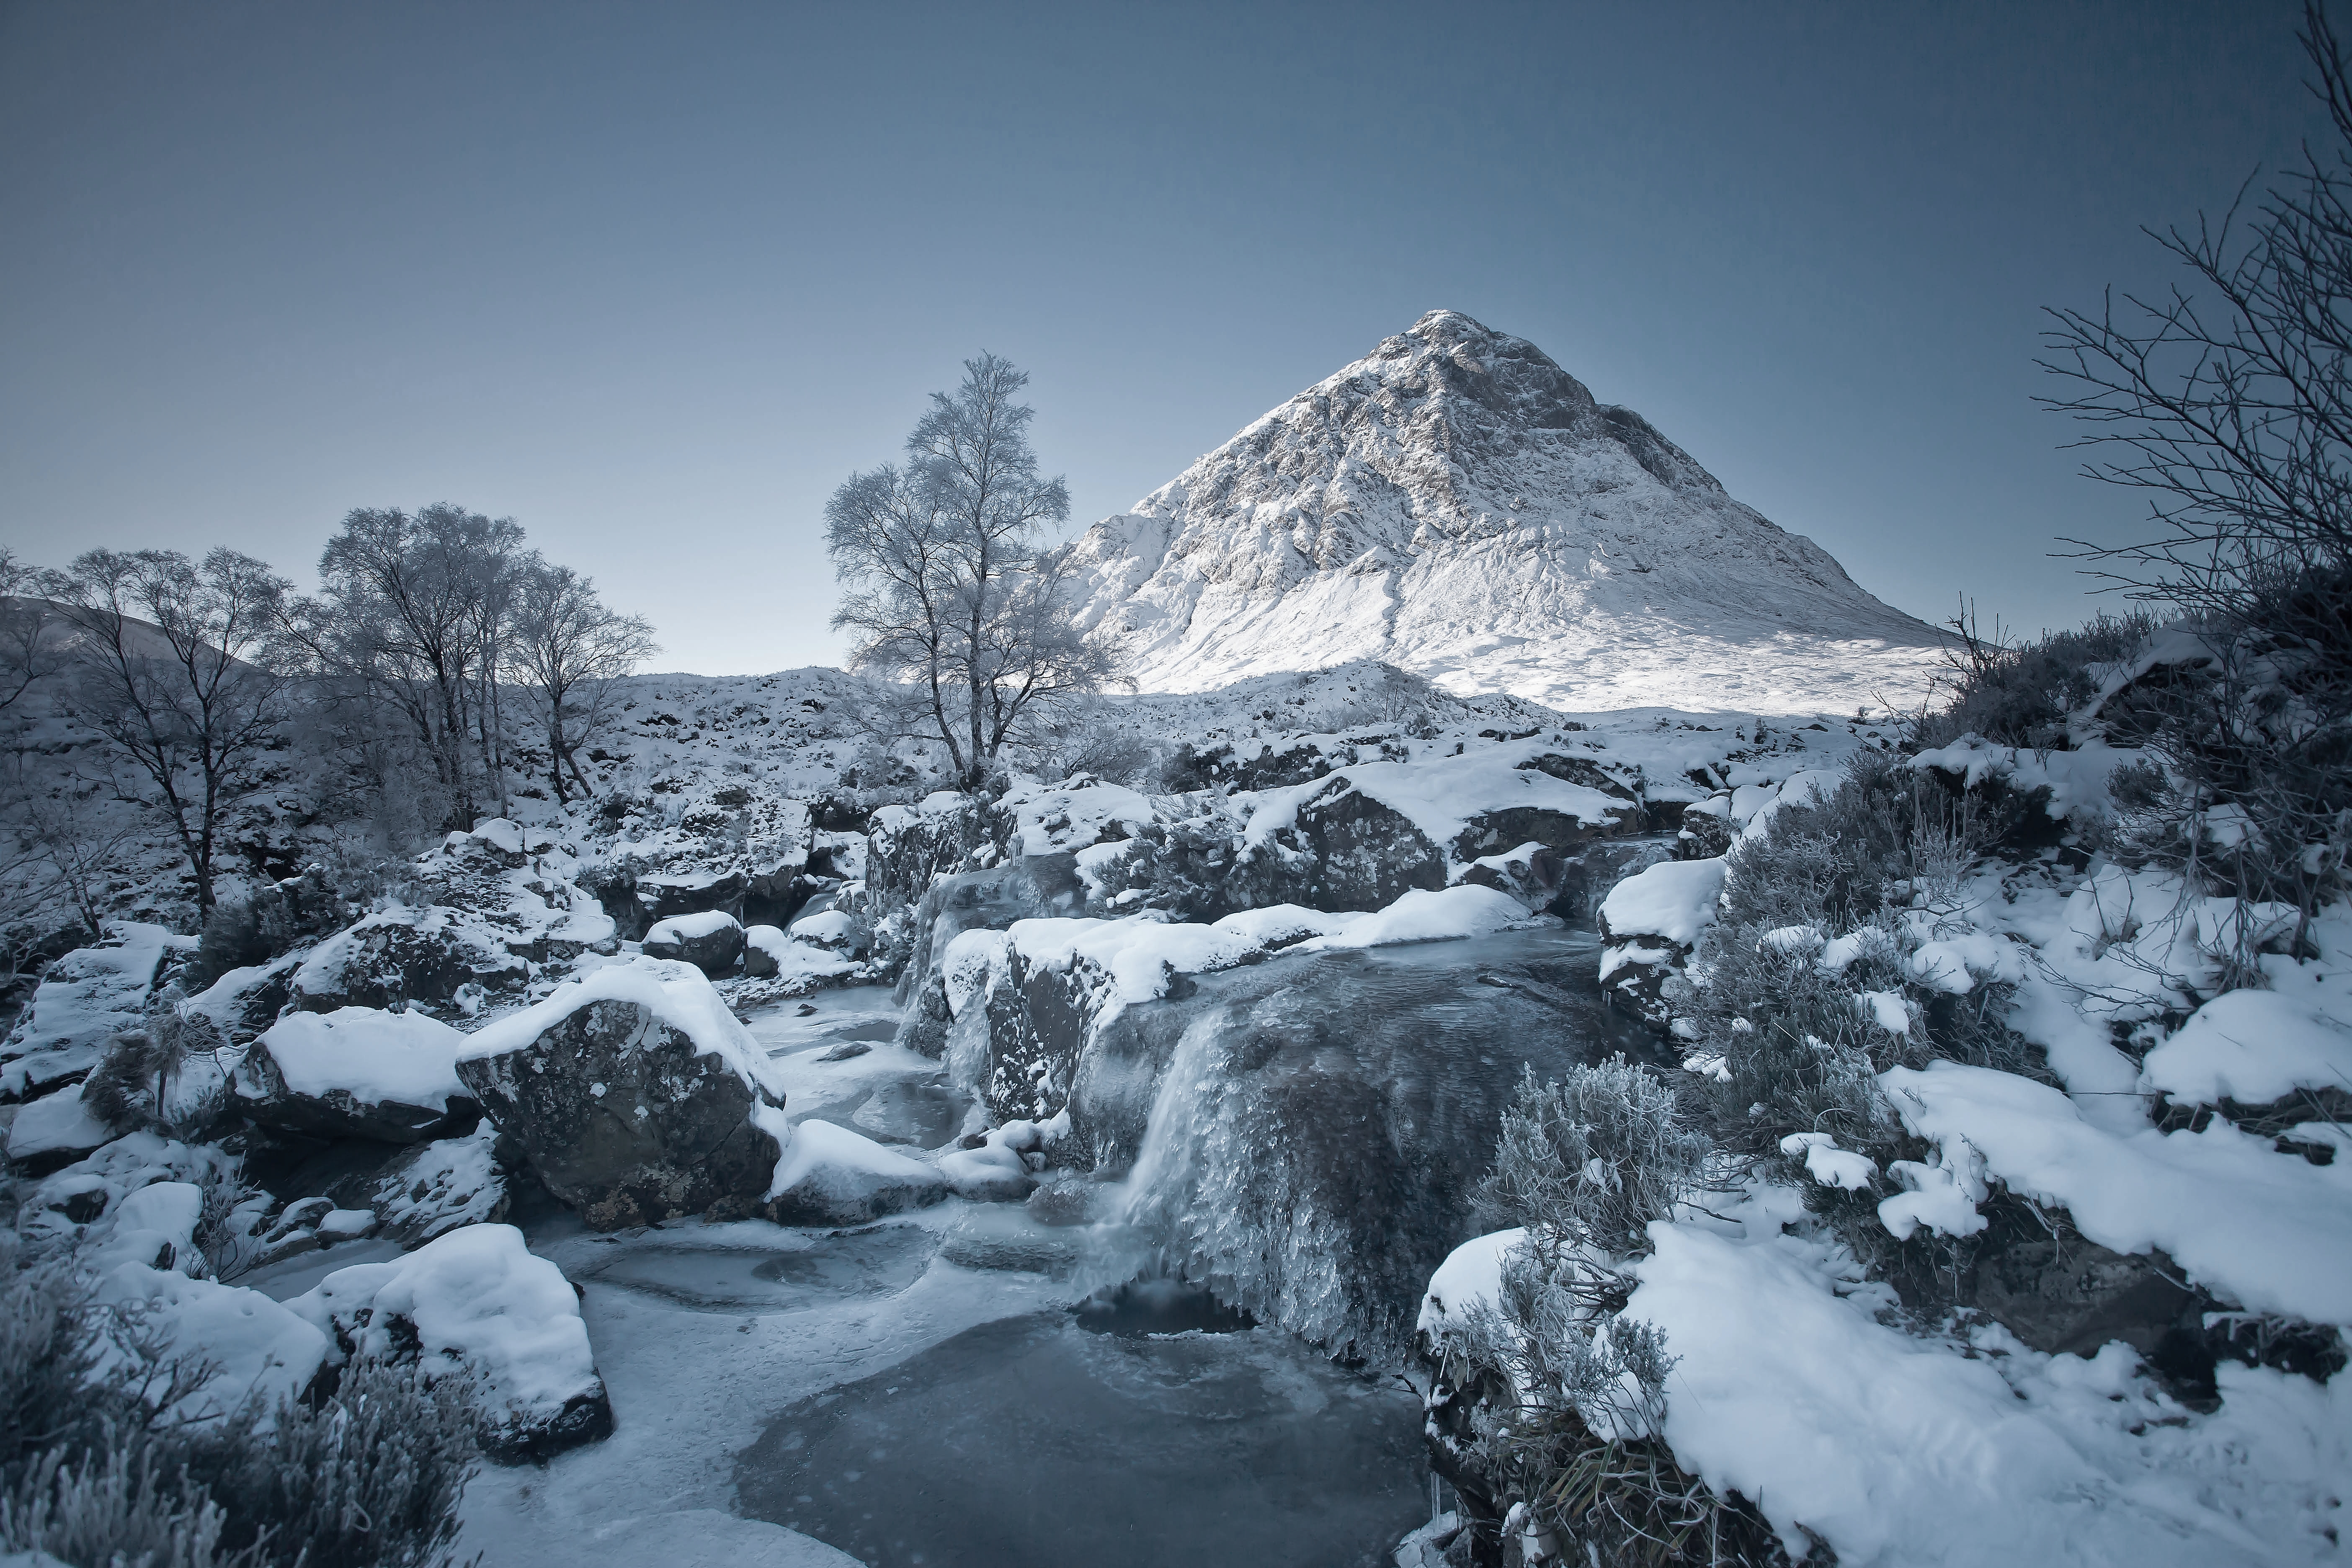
point(1566, 1436)
point(1588, 1162)
point(95, 1469)
point(368, 1476)
point(115, 1507)
point(2023, 694)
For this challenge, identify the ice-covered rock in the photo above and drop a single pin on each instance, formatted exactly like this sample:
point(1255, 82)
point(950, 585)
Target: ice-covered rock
point(86, 998)
point(829, 1175)
point(356, 1073)
point(631, 1091)
point(711, 941)
point(1650, 922)
point(1301, 1121)
point(1040, 992)
point(475, 1300)
point(437, 1187)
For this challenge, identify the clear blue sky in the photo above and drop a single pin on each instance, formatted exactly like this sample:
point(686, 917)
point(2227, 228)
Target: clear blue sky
point(653, 278)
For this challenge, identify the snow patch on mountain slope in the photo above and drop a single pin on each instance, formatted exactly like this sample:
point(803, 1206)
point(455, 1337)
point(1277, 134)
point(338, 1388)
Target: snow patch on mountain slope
point(1456, 504)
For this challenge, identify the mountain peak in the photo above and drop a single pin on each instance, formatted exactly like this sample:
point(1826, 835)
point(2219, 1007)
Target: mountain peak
point(1456, 504)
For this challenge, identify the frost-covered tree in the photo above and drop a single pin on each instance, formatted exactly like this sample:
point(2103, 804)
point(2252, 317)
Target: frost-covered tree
point(172, 665)
point(570, 645)
point(950, 595)
point(29, 647)
point(410, 628)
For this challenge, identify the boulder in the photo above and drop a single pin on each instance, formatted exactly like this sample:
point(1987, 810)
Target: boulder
point(908, 846)
point(477, 1301)
point(763, 950)
point(632, 1092)
point(711, 941)
point(399, 957)
point(437, 1187)
point(1650, 922)
point(86, 998)
point(1532, 874)
point(990, 900)
point(54, 1131)
point(357, 1072)
point(831, 1177)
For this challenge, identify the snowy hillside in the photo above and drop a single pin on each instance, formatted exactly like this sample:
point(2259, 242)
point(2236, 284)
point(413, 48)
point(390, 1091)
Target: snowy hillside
point(1456, 504)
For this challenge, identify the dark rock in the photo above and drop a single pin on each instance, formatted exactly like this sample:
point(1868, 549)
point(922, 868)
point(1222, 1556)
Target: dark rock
point(1704, 837)
point(711, 941)
point(908, 846)
point(403, 957)
point(586, 1418)
point(1035, 886)
point(263, 1096)
point(625, 1120)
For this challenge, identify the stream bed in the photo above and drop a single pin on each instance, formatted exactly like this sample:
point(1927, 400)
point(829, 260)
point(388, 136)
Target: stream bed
point(973, 1385)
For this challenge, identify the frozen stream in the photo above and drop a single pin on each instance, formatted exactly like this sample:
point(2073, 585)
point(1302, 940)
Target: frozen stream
point(927, 1391)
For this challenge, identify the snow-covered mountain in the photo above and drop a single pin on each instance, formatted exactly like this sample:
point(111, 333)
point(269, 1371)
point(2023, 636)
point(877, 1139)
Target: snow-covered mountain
point(1456, 504)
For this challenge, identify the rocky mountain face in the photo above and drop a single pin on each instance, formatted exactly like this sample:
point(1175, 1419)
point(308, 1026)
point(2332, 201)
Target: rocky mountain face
point(1456, 504)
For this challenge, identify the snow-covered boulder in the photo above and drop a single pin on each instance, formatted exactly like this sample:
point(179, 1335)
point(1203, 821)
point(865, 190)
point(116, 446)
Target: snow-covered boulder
point(90, 996)
point(631, 1091)
point(53, 1130)
point(765, 948)
point(835, 928)
point(1649, 924)
point(256, 1348)
point(80, 1205)
point(400, 956)
point(829, 1175)
point(2253, 1048)
point(791, 966)
point(437, 1187)
point(357, 1072)
point(711, 941)
point(477, 1302)
point(996, 1166)
point(1040, 992)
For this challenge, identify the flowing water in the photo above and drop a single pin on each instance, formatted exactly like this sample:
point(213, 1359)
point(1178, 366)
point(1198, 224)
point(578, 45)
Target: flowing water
point(1305, 1135)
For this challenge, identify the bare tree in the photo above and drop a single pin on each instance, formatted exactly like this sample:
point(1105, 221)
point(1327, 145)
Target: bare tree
point(30, 649)
point(949, 592)
point(409, 624)
point(571, 646)
point(2229, 402)
point(169, 667)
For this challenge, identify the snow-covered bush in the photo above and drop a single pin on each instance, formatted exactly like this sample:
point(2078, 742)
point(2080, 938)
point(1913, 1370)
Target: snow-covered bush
point(2025, 693)
point(1559, 1440)
point(100, 1461)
